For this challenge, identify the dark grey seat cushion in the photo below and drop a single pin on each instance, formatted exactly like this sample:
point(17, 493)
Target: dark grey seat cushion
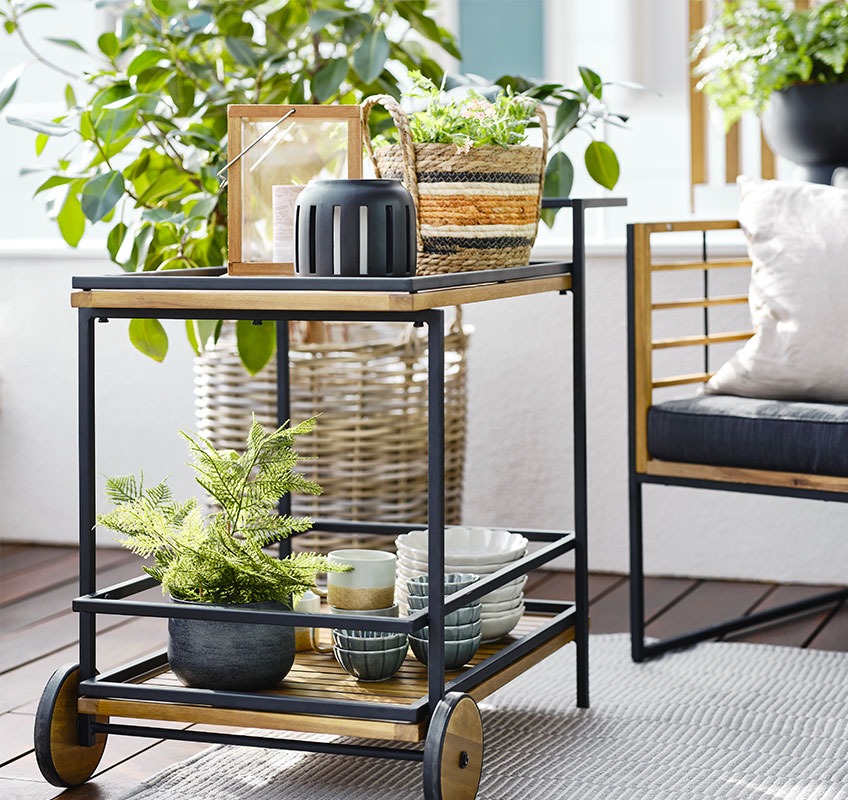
point(727, 431)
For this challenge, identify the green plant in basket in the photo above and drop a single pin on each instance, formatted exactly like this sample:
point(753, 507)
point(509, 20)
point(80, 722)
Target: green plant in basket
point(220, 558)
point(470, 120)
point(471, 113)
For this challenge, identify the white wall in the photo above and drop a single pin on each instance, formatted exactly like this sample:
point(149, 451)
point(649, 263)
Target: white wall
point(141, 404)
point(519, 461)
point(519, 466)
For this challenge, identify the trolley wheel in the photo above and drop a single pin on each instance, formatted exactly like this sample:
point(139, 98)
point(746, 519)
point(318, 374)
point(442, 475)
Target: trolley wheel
point(63, 761)
point(453, 750)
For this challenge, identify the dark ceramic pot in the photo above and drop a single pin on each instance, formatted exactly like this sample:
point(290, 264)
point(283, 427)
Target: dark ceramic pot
point(353, 228)
point(235, 656)
point(808, 125)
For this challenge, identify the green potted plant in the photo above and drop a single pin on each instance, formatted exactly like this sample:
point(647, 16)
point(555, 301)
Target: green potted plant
point(220, 559)
point(788, 65)
point(455, 148)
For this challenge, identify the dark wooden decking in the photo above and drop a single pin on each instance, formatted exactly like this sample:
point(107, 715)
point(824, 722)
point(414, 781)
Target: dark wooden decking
point(39, 633)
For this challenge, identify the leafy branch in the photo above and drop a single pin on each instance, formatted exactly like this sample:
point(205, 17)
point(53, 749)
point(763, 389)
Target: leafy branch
point(220, 558)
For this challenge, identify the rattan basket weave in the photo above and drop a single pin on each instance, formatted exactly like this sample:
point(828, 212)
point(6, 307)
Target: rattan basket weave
point(476, 210)
point(370, 443)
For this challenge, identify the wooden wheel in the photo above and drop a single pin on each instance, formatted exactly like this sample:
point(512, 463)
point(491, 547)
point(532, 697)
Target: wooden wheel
point(453, 750)
point(63, 761)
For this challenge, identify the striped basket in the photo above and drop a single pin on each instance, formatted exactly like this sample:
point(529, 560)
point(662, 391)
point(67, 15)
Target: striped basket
point(476, 210)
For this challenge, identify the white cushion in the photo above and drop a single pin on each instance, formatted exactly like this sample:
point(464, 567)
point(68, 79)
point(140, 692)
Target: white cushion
point(798, 243)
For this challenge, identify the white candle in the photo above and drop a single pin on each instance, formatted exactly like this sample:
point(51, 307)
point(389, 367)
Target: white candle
point(283, 203)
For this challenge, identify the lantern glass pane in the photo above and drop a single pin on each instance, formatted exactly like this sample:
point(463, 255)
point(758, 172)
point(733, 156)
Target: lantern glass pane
point(289, 156)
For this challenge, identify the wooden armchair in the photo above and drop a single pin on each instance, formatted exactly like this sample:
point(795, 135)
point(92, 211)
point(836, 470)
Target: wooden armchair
point(713, 441)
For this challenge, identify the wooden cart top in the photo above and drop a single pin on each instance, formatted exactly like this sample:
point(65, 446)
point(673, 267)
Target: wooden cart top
point(213, 290)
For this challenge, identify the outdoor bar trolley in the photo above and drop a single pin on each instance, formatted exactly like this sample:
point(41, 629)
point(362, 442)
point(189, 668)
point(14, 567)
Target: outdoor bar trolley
point(420, 705)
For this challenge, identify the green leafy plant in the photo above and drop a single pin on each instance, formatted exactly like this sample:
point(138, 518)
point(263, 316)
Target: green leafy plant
point(145, 127)
point(470, 120)
point(220, 558)
point(470, 113)
point(752, 48)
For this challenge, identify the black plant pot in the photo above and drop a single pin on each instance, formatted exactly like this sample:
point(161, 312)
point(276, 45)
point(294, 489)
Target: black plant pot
point(235, 656)
point(808, 125)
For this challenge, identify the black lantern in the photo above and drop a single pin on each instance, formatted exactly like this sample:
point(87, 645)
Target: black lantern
point(355, 227)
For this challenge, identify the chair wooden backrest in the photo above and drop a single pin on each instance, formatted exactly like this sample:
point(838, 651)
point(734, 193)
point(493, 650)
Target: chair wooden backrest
point(644, 382)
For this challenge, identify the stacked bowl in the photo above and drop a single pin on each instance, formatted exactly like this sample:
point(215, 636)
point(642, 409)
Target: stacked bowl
point(474, 551)
point(463, 627)
point(369, 655)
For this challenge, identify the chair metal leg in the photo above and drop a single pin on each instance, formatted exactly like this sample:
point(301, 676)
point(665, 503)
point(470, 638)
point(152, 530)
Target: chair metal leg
point(637, 574)
point(641, 651)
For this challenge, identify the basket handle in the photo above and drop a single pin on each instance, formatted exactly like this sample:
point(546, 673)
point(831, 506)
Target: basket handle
point(398, 115)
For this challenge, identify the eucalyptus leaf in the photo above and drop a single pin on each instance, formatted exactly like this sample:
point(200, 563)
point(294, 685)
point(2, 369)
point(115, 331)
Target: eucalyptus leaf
point(241, 50)
point(73, 44)
point(329, 78)
point(144, 60)
point(50, 128)
point(115, 240)
point(191, 334)
point(71, 219)
point(101, 194)
point(54, 181)
point(592, 81)
point(370, 57)
point(602, 164)
point(567, 117)
point(559, 176)
point(256, 344)
point(149, 337)
point(9, 84)
point(108, 44)
point(325, 16)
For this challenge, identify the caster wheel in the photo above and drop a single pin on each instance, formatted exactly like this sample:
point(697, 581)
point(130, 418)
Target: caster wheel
point(63, 761)
point(453, 750)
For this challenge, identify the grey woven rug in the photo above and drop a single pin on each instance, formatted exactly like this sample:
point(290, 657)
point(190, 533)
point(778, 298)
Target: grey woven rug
point(721, 721)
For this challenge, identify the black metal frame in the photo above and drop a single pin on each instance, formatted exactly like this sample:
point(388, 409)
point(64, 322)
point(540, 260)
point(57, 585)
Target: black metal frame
point(113, 600)
point(640, 649)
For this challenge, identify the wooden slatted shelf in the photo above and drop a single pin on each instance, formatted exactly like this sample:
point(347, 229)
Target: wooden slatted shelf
point(280, 300)
point(317, 675)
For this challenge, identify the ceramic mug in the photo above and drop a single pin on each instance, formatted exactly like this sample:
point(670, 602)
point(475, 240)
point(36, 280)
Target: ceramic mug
point(369, 585)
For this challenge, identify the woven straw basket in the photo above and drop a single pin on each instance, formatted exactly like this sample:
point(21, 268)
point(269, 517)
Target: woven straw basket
point(370, 444)
point(476, 210)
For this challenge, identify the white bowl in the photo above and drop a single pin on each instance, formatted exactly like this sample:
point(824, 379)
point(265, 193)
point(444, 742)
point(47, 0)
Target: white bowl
point(466, 545)
point(499, 625)
point(413, 565)
point(510, 591)
point(491, 609)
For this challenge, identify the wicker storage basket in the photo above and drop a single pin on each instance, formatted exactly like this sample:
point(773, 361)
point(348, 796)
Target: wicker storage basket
point(476, 210)
point(370, 444)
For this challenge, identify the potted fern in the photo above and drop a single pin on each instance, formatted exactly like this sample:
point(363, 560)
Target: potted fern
point(787, 64)
point(220, 559)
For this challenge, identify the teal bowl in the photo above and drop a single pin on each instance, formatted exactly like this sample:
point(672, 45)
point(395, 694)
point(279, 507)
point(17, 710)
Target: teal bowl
point(457, 653)
point(367, 640)
point(371, 665)
point(454, 581)
point(455, 632)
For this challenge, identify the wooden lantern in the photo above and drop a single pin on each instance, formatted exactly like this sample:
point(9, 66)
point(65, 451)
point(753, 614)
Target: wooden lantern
point(273, 151)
